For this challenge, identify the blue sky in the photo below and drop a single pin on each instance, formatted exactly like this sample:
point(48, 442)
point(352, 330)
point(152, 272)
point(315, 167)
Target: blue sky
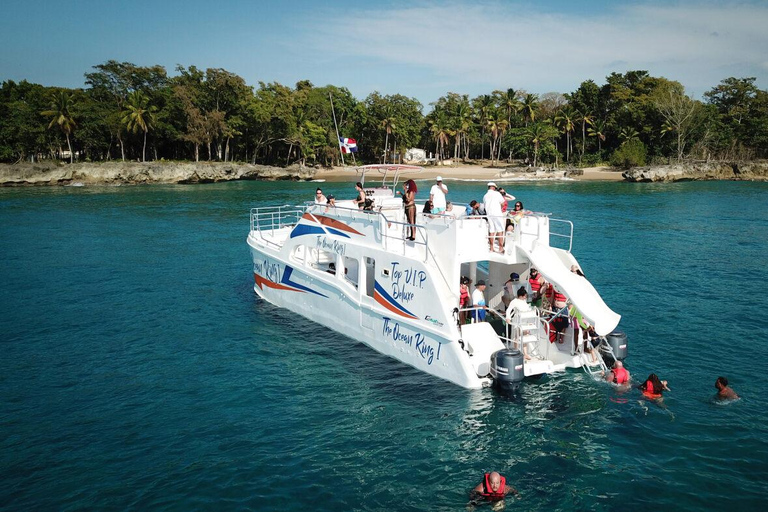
point(421, 49)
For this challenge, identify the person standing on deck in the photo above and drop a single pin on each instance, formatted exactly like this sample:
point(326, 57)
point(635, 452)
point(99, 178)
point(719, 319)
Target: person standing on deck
point(409, 204)
point(493, 201)
point(360, 199)
point(478, 302)
point(437, 195)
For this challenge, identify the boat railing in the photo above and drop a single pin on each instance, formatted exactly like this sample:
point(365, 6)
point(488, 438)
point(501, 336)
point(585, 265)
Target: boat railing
point(268, 219)
point(567, 233)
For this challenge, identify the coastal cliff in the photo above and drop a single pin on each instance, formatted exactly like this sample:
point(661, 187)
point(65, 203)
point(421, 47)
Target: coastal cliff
point(735, 171)
point(134, 173)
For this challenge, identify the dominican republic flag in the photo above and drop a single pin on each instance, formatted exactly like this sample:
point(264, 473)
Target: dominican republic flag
point(348, 145)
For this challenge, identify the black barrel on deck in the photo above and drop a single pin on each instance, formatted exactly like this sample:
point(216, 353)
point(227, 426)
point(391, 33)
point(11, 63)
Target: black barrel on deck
point(618, 342)
point(507, 368)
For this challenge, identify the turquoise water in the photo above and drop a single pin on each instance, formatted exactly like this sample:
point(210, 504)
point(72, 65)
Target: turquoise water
point(139, 371)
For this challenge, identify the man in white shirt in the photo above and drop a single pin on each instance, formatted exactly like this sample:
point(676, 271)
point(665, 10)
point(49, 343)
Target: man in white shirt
point(478, 302)
point(437, 195)
point(493, 201)
point(518, 306)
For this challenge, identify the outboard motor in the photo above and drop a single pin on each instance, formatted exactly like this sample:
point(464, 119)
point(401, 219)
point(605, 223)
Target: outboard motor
point(507, 368)
point(618, 342)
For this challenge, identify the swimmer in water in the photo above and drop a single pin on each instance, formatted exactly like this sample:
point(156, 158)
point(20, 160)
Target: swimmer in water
point(653, 387)
point(493, 488)
point(723, 391)
point(618, 375)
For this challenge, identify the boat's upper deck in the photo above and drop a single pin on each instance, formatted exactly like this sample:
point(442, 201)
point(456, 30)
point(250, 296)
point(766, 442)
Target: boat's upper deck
point(445, 240)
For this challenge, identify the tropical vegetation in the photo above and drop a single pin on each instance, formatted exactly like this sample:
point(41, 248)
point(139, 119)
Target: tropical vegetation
point(129, 112)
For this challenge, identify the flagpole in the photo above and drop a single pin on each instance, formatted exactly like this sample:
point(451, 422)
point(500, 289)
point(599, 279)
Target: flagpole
point(338, 139)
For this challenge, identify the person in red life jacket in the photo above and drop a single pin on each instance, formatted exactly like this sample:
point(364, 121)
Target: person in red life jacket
point(618, 375)
point(535, 280)
point(494, 487)
point(653, 387)
point(723, 391)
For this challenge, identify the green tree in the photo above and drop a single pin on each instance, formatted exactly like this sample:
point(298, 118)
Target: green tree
point(597, 130)
point(61, 116)
point(139, 115)
point(565, 120)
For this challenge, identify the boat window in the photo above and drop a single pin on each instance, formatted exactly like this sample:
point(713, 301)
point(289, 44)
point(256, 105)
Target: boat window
point(351, 271)
point(323, 260)
point(370, 276)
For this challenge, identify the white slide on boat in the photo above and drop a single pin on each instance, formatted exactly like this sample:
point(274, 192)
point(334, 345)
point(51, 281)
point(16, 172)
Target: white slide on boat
point(578, 289)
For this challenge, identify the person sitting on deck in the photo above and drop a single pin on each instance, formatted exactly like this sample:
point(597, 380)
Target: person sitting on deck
point(449, 211)
point(475, 209)
point(331, 202)
point(723, 391)
point(427, 211)
point(319, 197)
point(493, 487)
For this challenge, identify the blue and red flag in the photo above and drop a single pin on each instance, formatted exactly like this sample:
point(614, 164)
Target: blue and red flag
point(347, 145)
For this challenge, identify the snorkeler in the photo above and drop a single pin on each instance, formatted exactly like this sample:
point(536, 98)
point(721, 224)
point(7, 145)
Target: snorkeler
point(723, 391)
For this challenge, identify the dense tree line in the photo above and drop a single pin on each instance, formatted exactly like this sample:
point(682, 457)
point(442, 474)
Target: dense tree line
point(129, 112)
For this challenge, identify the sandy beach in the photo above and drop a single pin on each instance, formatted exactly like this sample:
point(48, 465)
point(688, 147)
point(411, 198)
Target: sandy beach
point(476, 172)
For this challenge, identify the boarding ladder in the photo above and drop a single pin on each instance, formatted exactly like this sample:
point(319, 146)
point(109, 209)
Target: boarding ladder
point(598, 367)
point(525, 328)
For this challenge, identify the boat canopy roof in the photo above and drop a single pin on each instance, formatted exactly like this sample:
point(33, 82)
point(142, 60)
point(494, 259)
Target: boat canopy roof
point(390, 173)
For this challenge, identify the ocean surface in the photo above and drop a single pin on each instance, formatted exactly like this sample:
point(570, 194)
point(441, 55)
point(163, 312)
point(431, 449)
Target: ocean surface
point(138, 370)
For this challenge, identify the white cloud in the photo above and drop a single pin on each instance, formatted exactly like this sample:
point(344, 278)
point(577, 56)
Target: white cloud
point(496, 45)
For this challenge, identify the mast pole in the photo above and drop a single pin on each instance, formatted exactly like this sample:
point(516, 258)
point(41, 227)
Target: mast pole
point(338, 139)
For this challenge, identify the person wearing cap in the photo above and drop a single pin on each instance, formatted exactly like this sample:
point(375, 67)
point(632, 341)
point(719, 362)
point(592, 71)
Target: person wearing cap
point(319, 197)
point(493, 201)
point(478, 302)
point(437, 195)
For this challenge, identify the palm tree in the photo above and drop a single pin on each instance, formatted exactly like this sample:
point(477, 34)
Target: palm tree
point(463, 120)
point(538, 133)
point(497, 125)
point(510, 103)
point(530, 105)
point(61, 116)
point(439, 129)
point(586, 119)
point(483, 107)
point(139, 115)
point(565, 121)
point(597, 129)
point(388, 123)
point(627, 134)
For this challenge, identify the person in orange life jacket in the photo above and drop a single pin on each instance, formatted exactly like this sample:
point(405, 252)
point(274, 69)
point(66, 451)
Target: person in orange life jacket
point(723, 391)
point(653, 387)
point(494, 487)
point(618, 375)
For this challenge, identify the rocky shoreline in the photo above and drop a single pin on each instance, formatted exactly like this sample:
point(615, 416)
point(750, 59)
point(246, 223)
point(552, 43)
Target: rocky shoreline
point(135, 173)
point(729, 171)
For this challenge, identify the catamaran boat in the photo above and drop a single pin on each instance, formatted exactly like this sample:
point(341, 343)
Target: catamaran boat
point(356, 272)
